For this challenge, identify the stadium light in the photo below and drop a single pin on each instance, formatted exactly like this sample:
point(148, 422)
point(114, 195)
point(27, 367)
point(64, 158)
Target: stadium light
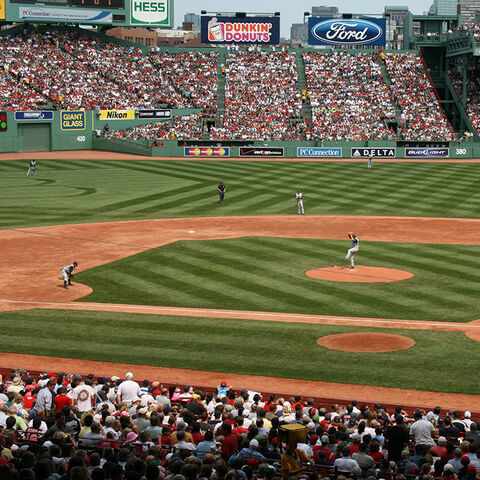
point(305, 39)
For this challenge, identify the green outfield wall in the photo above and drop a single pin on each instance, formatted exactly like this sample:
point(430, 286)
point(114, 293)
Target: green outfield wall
point(48, 130)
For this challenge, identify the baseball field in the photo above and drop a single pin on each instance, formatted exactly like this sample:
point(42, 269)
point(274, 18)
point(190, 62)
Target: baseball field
point(170, 278)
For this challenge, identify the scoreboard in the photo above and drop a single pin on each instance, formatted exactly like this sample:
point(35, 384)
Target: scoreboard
point(117, 13)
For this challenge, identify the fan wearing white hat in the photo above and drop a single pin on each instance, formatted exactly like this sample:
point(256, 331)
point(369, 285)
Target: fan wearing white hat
point(128, 390)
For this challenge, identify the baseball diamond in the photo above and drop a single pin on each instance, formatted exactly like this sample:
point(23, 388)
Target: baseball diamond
point(245, 259)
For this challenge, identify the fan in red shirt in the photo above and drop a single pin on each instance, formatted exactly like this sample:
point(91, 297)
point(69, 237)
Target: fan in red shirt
point(61, 400)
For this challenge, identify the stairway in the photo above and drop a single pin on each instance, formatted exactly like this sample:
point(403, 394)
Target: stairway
point(222, 61)
point(302, 86)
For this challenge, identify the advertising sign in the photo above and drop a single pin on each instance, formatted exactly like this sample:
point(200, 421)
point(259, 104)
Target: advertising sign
point(34, 115)
point(347, 32)
point(319, 152)
point(2, 10)
point(73, 120)
point(206, 151)
point(117, 114)
point(261, 151)
point(151, 12)
point(154, 114)
point(427, 152)
point(250, 30)
point(376, 152)
point(65, 15)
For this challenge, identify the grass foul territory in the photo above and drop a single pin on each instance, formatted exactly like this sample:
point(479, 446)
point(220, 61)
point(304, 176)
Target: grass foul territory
point(268, 274)
point(243, 347)
point(77, 191)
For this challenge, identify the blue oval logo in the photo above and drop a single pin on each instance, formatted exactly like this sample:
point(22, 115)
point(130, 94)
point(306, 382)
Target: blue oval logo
point(337, 31)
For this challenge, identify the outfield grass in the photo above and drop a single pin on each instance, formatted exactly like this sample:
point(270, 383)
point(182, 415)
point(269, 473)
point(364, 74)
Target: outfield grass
point(268, 274)
point(437, 361)
point(76, 191)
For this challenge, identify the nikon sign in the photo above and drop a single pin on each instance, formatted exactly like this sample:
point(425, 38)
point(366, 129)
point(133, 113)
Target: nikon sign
point(151, 12)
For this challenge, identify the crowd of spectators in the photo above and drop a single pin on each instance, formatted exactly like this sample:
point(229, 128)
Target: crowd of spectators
point(472, 107)
point(72, 70)
point(69, 427)
point(186, 127)
point(422, 117)
point(262, 98)
point(192, 74)
point(348, 95)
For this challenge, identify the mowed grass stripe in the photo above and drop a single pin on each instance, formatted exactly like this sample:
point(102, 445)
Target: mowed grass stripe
point(233, 274)
point(236, 346)
point(113, 190)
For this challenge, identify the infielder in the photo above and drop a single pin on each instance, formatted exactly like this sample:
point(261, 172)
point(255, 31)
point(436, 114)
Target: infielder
point(353, 250)
point(299, 197)
point(67, 274)
point(32, 167)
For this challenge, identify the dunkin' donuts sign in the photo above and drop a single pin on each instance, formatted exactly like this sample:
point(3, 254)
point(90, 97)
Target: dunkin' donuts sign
point(346, 32)
point(248, 30)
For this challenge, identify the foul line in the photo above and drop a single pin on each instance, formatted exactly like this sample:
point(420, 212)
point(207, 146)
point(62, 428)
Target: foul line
point(461, 327)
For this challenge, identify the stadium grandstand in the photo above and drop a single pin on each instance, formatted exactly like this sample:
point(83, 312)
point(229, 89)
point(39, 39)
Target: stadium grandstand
point(69, 88)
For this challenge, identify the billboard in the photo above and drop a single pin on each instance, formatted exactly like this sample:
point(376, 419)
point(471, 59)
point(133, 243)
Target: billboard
point(426, 152)
point(319, 152)
point(261, 151)
point(64, 15)
point(249, 30)
point(347, 32)
point(163, 113)
point(151, 12)
point(117, 114)
point(206, 151)
point(37, 115)
point(73, 120)
point(387, 152)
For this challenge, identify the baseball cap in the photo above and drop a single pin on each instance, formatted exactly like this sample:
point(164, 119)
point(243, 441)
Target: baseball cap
point(254, 443)
point(324, 439)
point(467, 414)
point(223, 384)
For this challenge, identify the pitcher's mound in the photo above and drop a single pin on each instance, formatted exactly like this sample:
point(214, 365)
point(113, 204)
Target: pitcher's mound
point(360, 274)
point(366, 342)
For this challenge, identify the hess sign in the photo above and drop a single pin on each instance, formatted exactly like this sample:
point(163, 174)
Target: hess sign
point(346, 32)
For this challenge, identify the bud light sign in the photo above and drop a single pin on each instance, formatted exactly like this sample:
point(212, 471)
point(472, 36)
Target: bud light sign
point(346, 32)
point(249, 30)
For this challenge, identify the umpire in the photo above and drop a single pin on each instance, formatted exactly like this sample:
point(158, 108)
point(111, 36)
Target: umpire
point(221, 192)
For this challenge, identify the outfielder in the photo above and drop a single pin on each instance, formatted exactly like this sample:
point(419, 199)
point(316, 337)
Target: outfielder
point(32, 167)
point(370, 160)
point(67, 274)
point(221, 192)
point(299, 197)
point(353, 250)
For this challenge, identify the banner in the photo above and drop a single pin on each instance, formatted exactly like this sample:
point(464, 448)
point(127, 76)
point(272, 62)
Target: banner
point(65, 15)
point(261, 151)
point(206, 151)
point(319, 152)
point(37, 115)
point(2, 10)
point(151, 12)
point(117, 114)
point(73, 120)
point(347, 32)
point(154, 114)
point(250, 30)
point(427, 152)
point(376, 152)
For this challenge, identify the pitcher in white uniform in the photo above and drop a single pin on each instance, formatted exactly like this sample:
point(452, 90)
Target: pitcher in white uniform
point(299, 197)
point(353, 250)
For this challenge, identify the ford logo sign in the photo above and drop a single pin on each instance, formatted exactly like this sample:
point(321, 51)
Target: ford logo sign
point(346, 32)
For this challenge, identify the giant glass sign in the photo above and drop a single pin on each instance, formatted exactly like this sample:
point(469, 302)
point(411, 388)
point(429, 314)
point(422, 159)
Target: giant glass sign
point(346, 32)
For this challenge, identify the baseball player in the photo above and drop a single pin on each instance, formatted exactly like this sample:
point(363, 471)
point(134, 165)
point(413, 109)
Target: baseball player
point(353, 250)
point(32, 167)
point(221, 192)
point(67, 274)
point(370, 160)
point(299, 197)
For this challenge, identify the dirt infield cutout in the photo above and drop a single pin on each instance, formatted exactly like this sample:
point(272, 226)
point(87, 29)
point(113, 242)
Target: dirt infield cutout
point(370, 342)
point(360, 274)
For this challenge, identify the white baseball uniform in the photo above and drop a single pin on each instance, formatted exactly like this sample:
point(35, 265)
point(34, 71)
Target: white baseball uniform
point(299, 197)
point(352, 251)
